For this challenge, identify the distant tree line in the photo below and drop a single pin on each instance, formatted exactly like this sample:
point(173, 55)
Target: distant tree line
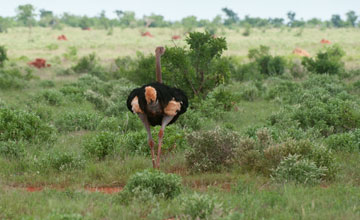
point(26, 15)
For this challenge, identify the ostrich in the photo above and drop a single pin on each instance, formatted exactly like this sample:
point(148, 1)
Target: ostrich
point(157, 104)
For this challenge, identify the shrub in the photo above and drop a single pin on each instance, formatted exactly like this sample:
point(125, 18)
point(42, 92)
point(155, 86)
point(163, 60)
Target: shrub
point(87, 82)
point(102, 144)
point(285, 91)
point(211, 150)
point(18, 125)
point(198, 206)
point(100, 102)
point(85, 64)
point(71, 53)
point(136, 142)
point(3, 55)
point(50, 96)
point(249, 92)
point(47, 84)
point(265, 156)
point(266, 63)
point(113, 124)
point(12, 149)
point(158, 183)
point(192, 120)
point(61, 161)
point(327, 61)
point(301, 171)
point(13, 78)
point(77, 120)
point(348, 142)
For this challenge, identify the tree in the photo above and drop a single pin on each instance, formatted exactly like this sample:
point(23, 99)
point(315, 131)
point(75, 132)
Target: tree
point(126, 18)
point(85, 23)
point(276, 22)
point(232, 17)
point(314, 22)
point(337, 21)
point(4, 24)
point(46, 18)
point(351, 18)
point(104, 21)
point(200, 68)
point(155, 20)
point(189, 23)
point(25, 14)
point(291, 16)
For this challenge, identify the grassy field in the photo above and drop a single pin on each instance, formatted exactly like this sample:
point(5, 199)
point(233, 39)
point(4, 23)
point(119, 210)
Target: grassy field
point(60, 166)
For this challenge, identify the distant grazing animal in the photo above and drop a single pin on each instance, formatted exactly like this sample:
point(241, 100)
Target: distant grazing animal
point(157, 104)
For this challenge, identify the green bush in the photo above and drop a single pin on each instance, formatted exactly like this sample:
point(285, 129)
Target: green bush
point(3, 55)
point(302, 171)
point(12, 149)
point(158, 183)
point(192, 120)
point(12, 78)
point(348, 142)
point(77, 120)
point(263, 155)
point(327, 61)
point(61, 161)
point(47, 84)
point(266, 63)
point(196, 70)
point(86, 64)
point(102, 144)
point(285, 91)
point(113, 124)
point(136, 142)
point(211, 150)
point(50, 96)
point(101, 103)
point(16, 125)
point(249, 92)
point(200, 69)
point(71, 53)
point(198, 206)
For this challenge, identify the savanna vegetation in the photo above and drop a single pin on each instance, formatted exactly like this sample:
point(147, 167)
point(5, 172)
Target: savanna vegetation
point(268, 134)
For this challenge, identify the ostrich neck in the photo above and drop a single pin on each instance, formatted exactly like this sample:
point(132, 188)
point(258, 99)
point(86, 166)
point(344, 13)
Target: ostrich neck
point(158, 68)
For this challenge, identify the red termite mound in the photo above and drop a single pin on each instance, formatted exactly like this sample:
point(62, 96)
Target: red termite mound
point(301, 52)
point(324, 41)
point(147, 34)
point(39, 63)
point(176, 37)
point(62, 37)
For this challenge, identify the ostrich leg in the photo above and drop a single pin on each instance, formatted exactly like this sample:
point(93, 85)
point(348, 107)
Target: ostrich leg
point(166, 120)
point(150, 139)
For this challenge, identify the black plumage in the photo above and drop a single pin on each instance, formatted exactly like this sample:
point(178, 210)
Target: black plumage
point(164, 94)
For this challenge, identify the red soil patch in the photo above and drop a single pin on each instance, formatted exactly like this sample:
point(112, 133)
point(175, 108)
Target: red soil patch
point(39, 63)
point(176, 37)
point(34, 189)
point(62, 37)
point(324, 41)
point(147, 34)
point(301, 52)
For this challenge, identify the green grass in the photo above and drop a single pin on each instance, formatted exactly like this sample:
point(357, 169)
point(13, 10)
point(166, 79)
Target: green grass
point(238, 193)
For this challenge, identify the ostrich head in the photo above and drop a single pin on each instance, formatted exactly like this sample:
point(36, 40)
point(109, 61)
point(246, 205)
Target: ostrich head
point(160, 51)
